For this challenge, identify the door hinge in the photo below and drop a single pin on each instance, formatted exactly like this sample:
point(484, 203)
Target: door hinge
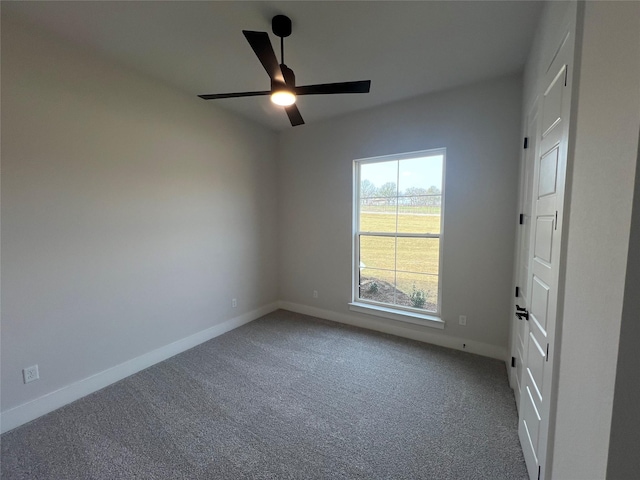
point(556, 224)
point(538, 472)
point(521, 219)
point(526, 142)
point(517, 292)
point(566, 74)
point(513, 362)
point(546, 359)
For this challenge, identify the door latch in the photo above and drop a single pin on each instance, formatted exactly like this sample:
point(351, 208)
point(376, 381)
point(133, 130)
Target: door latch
point(522, 313)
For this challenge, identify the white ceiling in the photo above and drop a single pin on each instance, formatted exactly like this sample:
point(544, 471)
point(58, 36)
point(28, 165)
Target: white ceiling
point(405, 48)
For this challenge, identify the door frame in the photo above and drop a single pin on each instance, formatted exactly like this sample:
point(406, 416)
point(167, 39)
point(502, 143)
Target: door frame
point(529, 154)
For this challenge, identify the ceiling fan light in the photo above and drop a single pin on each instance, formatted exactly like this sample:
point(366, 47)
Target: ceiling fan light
point(283, 98)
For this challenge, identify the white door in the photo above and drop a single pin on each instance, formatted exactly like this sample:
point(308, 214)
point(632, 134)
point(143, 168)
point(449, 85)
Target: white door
point(544, 255)
point(520, 325)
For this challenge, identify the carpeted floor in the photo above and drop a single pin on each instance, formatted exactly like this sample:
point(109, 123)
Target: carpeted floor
point(286, 397)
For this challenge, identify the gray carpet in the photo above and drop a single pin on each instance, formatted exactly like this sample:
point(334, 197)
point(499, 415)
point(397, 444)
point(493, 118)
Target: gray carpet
point(286, 397)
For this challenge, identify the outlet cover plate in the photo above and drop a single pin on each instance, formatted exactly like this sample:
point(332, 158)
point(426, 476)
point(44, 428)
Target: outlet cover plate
point(30, 374)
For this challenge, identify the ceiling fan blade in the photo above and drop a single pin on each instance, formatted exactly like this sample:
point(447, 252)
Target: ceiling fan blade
point(215, 96)
point(362, 86)
point(261, 45)
point(294, 115)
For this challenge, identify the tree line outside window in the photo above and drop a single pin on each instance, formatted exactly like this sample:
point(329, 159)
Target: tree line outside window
point(387, 194)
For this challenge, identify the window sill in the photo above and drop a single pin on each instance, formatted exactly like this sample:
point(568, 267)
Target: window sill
point(399, 315)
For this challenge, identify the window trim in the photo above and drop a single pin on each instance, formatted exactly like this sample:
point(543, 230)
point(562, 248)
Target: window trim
point(395, 312)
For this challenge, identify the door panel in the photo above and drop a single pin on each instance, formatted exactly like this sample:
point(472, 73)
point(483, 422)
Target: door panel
point(548, 173)
point(544, 240)
point(535, 366)
point(552, 103)
point(530, 421)
point(539, 304)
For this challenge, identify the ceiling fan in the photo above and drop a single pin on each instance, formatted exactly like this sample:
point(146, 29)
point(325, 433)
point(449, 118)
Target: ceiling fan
point(283, 81)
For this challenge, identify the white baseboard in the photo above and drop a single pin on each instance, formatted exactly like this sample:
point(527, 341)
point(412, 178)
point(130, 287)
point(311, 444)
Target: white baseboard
point(33, 409)
point(414, 332)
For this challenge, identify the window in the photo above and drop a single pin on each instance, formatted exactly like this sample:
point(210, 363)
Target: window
point(398, 211)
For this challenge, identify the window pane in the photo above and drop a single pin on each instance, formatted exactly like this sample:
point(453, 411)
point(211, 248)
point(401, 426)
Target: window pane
point(377, 252)
point(417, 291)
point(379, 179)
point(419, 214)
point(368, 189)
point(377, 285)
point(420, 255)
point(422, 172)
point(378, 215)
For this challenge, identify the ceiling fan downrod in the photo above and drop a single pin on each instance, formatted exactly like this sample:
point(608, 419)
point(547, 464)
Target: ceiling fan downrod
point(281, 26)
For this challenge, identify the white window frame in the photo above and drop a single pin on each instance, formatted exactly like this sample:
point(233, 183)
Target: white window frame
point(395, 312)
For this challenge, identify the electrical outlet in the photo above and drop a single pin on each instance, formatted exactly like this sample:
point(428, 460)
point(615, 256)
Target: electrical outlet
point(315, 294)
point(234, 302)
point(462, 320)
point(30, 374)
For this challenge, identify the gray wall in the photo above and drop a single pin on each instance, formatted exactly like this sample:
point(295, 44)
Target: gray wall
point(131, 214)
point(480, 127)
point(624, 461)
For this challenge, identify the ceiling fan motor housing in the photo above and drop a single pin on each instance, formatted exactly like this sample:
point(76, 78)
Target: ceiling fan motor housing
point(289, 76)
point(281, 26)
